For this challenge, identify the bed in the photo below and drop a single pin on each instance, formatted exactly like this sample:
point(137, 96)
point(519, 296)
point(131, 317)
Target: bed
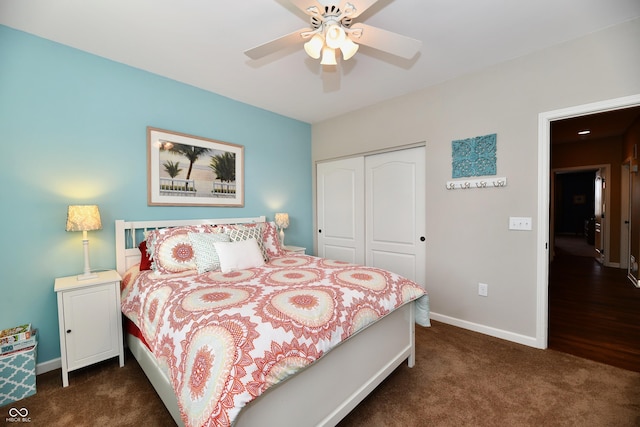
point(320, 390)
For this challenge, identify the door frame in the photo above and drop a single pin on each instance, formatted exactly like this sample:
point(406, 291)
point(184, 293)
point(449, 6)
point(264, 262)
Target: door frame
point(625, 213)
point(544, 172)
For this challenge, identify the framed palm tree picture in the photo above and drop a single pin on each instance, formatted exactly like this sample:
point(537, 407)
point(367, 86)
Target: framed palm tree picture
point(187, 170)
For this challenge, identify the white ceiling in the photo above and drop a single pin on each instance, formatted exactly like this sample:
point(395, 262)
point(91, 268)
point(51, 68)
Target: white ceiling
point(201, 43)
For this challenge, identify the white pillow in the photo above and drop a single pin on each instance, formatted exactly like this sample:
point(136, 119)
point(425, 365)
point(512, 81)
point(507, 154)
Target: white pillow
point(204, 251)
point(240, 232)
point(239, 255)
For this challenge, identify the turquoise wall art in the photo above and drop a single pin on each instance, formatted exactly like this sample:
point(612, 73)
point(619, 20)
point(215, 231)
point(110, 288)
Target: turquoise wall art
point(474, 156)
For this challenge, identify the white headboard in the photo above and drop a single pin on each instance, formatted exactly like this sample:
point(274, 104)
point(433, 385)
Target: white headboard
point(128, 235)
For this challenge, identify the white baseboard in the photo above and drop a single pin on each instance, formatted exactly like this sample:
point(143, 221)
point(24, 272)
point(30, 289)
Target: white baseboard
point(49, 365)
point(487, 330)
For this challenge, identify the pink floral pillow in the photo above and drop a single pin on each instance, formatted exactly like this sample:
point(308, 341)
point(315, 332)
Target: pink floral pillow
point(271, 240)
point(171, 249)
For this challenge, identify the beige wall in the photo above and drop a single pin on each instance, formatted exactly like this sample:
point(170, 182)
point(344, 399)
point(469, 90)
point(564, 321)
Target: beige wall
point(467, 236)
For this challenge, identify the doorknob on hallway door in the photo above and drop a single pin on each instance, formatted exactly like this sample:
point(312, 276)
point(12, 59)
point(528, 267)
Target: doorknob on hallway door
point(422, 239)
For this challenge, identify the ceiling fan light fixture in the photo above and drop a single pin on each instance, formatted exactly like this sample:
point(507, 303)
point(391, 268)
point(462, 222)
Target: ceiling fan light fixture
point(335, 35)
point(332, 27)
point(348, 48)
point(314, 46)
point(328, 56)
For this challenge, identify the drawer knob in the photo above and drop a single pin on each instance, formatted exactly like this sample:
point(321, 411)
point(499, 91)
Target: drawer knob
point(68, 331)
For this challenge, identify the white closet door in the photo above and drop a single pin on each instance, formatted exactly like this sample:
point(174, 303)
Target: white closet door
point(340, 210)
point(395, 212)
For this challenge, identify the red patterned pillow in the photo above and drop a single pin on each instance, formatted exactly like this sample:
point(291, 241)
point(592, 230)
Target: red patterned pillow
point(271, 240)
point(145, 258)
point(171, 250)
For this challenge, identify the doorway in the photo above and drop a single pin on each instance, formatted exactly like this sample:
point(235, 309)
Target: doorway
point(573, 211)
point(545, 189)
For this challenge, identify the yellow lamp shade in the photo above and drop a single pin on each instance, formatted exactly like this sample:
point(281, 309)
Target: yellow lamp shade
point(282, 220)
point(314, 46)
point(335, 36)
point(348, 48)
point(328, 56)
point(83, 218)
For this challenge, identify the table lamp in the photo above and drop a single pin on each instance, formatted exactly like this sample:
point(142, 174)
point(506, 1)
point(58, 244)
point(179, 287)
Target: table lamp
point(282, 221)
point(84, 218)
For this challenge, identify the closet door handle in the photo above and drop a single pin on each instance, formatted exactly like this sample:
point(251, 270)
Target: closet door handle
point(319, 231)
point(422, 239)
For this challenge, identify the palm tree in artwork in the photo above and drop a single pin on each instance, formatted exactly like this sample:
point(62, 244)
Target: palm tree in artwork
point(173, 169)
point(224, 166)
point(191, 152)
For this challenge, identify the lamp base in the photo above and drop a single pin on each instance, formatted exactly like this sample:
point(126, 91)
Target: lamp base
point(87, 270)
point(87, 276)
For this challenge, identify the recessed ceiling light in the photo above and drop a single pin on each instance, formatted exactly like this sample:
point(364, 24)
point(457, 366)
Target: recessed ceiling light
point(584, 132)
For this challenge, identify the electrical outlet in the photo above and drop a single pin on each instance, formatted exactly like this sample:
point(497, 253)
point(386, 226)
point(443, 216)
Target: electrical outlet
point(483, 289)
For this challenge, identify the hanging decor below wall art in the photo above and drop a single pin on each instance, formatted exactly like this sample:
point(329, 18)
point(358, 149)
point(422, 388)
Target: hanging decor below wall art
point(466, 184)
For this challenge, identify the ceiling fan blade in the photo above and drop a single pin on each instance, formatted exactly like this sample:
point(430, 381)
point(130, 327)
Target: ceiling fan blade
point(361, 6)
point(276, 45)
point(387, 41)
point(303, 5)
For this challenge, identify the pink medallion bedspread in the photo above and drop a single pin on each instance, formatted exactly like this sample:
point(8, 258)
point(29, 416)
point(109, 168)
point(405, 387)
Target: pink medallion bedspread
point(226, 338)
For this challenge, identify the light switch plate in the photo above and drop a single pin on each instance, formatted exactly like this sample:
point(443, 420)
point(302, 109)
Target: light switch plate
point(519, 223)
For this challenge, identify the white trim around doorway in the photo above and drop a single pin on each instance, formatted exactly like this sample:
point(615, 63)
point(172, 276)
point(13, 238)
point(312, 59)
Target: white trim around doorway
point(544, 171)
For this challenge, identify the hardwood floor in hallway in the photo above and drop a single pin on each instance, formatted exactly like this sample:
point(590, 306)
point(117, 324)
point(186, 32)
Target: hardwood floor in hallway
point(594, 311)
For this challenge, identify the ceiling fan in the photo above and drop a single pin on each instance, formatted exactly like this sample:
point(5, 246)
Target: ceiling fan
point(332, 29)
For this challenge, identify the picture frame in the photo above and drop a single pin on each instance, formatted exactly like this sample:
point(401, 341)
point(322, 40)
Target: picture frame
point(187, 170)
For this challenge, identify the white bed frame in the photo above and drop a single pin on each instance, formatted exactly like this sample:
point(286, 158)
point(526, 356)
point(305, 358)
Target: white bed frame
point(320, 395)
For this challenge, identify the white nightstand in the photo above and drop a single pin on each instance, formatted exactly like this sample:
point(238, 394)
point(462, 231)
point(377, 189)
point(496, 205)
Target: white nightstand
point(295, 249)
point(90, 321)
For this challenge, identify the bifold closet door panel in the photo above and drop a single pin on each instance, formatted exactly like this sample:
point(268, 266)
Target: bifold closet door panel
point(340, 210)
point(395, 203)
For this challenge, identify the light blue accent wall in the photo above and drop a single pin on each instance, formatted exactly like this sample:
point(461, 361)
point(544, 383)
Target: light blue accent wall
point(73, 128)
